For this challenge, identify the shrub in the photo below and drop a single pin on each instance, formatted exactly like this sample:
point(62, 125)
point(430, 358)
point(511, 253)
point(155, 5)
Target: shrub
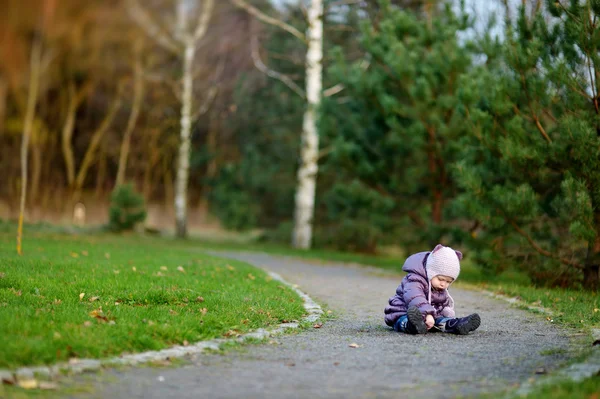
point(127, 208)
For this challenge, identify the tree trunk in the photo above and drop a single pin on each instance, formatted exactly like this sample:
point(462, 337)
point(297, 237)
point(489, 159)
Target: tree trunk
point(168, 184)
point(153, 159)
point(34, 80)
point(138, 93)
point(3, 96)
point(36, 172)
point(75, 98)
point(95, 142)
point(437, 198)
point(183, 164)
point(591, 270)
point(101, 172)
point(308, 168)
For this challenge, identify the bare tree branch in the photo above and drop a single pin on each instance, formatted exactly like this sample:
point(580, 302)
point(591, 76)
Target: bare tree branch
point(271, 73)
point(339, 87)
point(203, 20)
point(144, 20)
point(269, 20)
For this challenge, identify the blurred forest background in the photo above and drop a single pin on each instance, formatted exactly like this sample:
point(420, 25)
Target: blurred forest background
point(434, 124)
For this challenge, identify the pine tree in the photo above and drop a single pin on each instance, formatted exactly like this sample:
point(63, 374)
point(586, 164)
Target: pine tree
point(529, 166)
point(392, 137)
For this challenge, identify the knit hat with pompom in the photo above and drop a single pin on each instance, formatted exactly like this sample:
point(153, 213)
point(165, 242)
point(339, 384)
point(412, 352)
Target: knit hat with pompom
point(443, 261)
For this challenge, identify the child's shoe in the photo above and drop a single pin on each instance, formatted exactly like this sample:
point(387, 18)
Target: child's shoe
point(463, 325)
point(416, 324)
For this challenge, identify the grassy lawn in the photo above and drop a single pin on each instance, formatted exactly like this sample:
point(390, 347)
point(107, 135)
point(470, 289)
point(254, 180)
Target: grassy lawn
point(100, 296)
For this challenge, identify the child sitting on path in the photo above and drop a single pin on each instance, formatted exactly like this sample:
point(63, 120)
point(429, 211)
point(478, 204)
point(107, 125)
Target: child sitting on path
point(422, 300)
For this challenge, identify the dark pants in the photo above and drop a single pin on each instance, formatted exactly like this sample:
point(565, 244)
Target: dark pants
point(402, 322)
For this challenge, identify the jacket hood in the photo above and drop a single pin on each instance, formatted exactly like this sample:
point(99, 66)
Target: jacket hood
point(416, 264)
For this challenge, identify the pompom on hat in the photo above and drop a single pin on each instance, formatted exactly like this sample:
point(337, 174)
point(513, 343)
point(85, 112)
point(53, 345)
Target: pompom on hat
point(443, 261)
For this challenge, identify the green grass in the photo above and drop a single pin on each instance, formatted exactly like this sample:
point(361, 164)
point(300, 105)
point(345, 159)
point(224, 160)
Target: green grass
point(138, 294)
point(587, 389)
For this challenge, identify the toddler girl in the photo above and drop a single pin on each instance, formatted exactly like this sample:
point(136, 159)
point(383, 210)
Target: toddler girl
point(422, 300)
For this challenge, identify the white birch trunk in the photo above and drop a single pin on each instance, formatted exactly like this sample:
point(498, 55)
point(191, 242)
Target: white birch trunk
point(307, 171)
point(183, 164)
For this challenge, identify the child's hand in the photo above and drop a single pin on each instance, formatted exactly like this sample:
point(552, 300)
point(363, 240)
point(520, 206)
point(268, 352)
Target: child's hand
point(429, 321)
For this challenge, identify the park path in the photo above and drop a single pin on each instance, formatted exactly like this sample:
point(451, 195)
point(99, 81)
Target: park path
point(319, 363)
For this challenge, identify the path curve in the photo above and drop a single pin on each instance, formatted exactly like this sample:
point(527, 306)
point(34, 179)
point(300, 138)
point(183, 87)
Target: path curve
point(319, 363)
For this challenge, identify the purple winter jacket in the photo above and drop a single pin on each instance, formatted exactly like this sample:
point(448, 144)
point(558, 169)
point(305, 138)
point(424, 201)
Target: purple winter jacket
point(414, 290)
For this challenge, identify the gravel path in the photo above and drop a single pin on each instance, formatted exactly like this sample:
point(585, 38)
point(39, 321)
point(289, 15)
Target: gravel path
point(319, 363)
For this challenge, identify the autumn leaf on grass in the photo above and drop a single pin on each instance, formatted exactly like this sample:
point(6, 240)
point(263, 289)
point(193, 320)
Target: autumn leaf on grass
point(81, 296)
point(230, 267)
point(94, 298)
point(74, 255)
point(181, 269)
point(250, 276)
point(164, 268)
point(98, 314)
point(28, 383)
point(232, 333)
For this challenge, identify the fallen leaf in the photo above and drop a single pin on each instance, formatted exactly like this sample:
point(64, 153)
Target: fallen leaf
point(164, 268)
point(84, 253)
point(181, 269)
point(73, 255)
point(354, 345)
point(81, 296)
point(134, 269)
point(185, 343)
point(230, 267)
point(318, 325)
point(596, 310)
point(336, 363)
point(171, 311)
point(94, 298)
point(57, 335)
point(57, 301)
point(98, 314)
point(199, 299)
point(159, 274)
point(250, 276)
point(48, 385)
point(290, 364)
point(87, 323)
point(107, 255)
point(203, 311)
point(28, 383)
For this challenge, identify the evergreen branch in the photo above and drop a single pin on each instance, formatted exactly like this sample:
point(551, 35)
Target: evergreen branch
point(541, 250)
point(541, 129)
point(269, 20)
point(259, 64)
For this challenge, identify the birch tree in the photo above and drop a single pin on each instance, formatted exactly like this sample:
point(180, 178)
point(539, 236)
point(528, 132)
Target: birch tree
point(308, 168)
point(35, 68)
point(182, 40)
